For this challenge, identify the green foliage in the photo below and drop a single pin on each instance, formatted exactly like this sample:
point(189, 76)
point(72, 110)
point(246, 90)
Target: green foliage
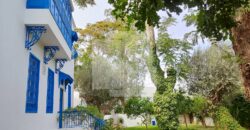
point(173, 52)
point(214, 73)
point(225, 121)
point(118, 109)
point(84, 83)
point(184, 104)
point(110, 66)
point(142, 128)
point(109, 124)
point(166, 112)
point(214, 76)
point(136, 106)
point(199, 105)
point(100, 29)
point(240, 110)
point(93, 110)
point(144, 10)
point(214, 17)
point(84, 3)
point(190, 127)
point(139, 107)
point(201, 108)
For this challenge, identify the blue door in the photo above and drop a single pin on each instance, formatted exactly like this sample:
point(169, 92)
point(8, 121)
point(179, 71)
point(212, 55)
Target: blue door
point(60, 108)
point(50, 92)
point(32, 85)
point(69, 96)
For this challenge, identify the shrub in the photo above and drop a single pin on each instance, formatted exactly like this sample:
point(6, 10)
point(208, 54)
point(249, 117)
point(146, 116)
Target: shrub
point(89, 109)
point(139, 107)
point(165, 110)
point(240, 110)
point(225, 121)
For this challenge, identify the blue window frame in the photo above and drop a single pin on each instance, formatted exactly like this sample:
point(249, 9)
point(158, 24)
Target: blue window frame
point(32, 85)
point(50, 92)
point(69, 96)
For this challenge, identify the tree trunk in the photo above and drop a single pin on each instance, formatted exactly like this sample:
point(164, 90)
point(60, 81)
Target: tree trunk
point(191, 118)
point(164, 85)
point(185, 120)
point(153, 63)
point(203, 122)
point(241, 46)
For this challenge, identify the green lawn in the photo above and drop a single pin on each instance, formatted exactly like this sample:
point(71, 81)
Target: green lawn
point(190, 127)
point(141, 128)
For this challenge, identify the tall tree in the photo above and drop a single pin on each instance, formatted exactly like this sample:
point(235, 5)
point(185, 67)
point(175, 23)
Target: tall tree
point(213, 73)
point(163, 101)
point(217, 19)
point(111, 63)
point(173, 51)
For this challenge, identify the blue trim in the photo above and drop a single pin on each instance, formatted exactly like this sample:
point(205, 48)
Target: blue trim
point(74, 36)
point(69, 96)
point(65, 78)
point(49, 53)
point(32, 4)
point(60, 108)
point(33, 35)
point(74, 54)
point(50, 92)
point(32, 93)
point(61, 11)
point(59, 64)
point(88, 122)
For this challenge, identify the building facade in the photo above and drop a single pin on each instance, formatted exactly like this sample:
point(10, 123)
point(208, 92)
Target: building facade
point(37, 63)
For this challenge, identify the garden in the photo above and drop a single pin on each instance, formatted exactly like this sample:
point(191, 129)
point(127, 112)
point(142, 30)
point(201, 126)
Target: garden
point(203, 75)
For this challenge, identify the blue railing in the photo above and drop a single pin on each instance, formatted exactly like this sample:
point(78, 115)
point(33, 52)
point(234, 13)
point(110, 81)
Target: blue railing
point(81, 119)
point(61, 12)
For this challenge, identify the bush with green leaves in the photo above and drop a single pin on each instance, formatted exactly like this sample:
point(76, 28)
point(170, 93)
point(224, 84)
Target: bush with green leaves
point(139, 107)
point(240, 110)
point(118, 109)
point(200, 108)
point(93, 110)
point(166, 113)
point(225, 121)
point(184, 105)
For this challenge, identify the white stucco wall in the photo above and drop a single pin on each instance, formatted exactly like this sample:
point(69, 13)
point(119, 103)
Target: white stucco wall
point(127, 122)
point(14, 74)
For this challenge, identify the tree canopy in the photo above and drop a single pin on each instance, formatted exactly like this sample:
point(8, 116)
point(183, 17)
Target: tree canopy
point(139, 107)
point(215, 17)
point(110, 66)
point(214, 73)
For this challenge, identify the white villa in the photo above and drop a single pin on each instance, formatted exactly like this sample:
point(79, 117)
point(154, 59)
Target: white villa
point(37, 65)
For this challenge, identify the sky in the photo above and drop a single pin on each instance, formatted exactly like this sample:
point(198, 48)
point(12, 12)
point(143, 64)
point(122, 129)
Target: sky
point(92, 14)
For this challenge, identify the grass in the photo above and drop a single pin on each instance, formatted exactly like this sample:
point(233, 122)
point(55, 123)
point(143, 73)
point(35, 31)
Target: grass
point(190, 127)
point(141, 128)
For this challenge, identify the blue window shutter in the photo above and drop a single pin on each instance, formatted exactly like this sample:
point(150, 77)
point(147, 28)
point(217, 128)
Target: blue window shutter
point(69, 96)
point(32, 85)
point(50, 92)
